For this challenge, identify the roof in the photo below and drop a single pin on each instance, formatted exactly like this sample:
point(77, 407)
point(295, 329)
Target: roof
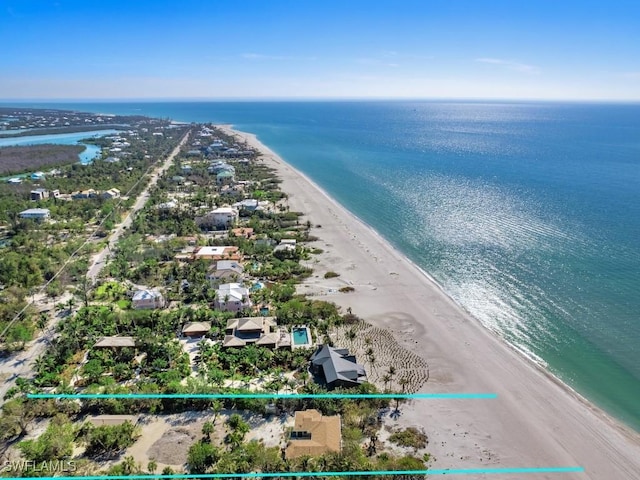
point(224, 210)
point(229, 265)
point(115, 342)
point(195, 327)
point(111, 420)
point(146, 294)
point(234, 290)
point(337, 364)
point(35, 211)
point(316, 434)
point(233, 341)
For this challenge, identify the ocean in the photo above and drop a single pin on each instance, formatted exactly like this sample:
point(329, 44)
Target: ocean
point(527, 213)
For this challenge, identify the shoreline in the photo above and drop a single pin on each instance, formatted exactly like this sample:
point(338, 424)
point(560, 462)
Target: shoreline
point(564, 427)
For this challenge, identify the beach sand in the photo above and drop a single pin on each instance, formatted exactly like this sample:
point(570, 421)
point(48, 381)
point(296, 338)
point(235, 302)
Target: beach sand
point(535, 421)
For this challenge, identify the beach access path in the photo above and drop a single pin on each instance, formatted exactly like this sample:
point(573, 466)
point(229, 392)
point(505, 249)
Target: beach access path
point(21, 363)
point(536, 421)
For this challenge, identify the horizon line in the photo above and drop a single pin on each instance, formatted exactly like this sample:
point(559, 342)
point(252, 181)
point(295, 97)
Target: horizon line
point(310, 99)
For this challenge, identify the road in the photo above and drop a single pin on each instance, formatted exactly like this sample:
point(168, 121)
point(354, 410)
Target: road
point(20, 364)
point(99, 260)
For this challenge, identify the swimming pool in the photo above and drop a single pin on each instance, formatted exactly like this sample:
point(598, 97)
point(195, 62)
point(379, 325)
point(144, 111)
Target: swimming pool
point(300, 336)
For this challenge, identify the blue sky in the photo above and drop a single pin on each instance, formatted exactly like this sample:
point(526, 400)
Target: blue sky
point(66, 49)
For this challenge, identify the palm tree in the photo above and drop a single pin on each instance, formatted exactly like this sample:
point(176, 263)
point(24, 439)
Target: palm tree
point(207, 430)
point(152, 466)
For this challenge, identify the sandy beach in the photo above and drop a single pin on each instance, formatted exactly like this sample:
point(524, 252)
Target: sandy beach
point(536, 420)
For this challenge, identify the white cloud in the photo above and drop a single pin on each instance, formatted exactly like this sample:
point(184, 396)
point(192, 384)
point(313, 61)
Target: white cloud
point(516, 66)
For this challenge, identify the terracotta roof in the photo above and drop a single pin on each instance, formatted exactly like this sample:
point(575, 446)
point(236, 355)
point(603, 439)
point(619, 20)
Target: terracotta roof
point(314, 434)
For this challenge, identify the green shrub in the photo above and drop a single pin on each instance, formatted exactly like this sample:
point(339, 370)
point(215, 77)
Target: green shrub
point(331, 274)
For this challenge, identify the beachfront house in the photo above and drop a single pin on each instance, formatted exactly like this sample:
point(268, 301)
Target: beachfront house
point(225, 177)
point(225, 270)
point(232, 297)
point(337, 368)
point(247, 205)
point(38, 214)
point(259, 331)
point(147, 298)
point(314, 434)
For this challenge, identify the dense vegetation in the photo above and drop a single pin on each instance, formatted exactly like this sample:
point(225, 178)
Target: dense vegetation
point(34, 157)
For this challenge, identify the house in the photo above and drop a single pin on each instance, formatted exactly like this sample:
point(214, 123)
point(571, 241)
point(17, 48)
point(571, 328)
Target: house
point(337, 367)
point(37, 176)
point(115, 342)
point(111, 193)
point(225, 177)
point(147, 298)
point(232, 297)
point(178, 179)
point(314, 434)
point(251, 330)
point(221, 217)
point(35, 214)
point(243, 232)
point(249, 205)
point(14, 180)
point(39, 194)
point(216, 253)
point(286, 245)
point(91, 193)
point(225, 270)
point(196, 329)
point(170, 205)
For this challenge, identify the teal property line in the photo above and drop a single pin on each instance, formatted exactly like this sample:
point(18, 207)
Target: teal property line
point(190, 396)
point(472, 471)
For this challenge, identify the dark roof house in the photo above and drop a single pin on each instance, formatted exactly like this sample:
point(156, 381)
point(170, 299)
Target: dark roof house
point(338, 368)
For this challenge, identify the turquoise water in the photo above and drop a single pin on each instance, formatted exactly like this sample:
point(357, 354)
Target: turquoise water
point(87, 156)
point(527, 214)
point(300, 336)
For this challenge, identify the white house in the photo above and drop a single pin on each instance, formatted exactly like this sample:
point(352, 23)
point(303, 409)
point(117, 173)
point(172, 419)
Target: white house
point(221, 217)
point(35, 213)
point(232, 297)
point(147, 298)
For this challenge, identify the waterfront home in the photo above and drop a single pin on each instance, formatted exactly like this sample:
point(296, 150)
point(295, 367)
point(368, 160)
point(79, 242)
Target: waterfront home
point(232, 297)
point(115, 342)
point(216, 253)
point(147, 298)
point(35, 214)
point(39, 194)
point(196, 329)
point(286, 245)
point(220, 166)
point(248, 205)
point(337, 368)
point(228, 270)
point(245, 331)
point(37, 176)
point(314, 434)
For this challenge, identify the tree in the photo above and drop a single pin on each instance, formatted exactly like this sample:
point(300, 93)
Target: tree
point(207, 430)
point(152, 466)
point(16, 416)
point(55, 443)
point(202, 455)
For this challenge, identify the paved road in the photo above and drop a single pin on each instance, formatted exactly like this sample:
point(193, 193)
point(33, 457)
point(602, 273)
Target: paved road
point(99, 260)
point(20, 364)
